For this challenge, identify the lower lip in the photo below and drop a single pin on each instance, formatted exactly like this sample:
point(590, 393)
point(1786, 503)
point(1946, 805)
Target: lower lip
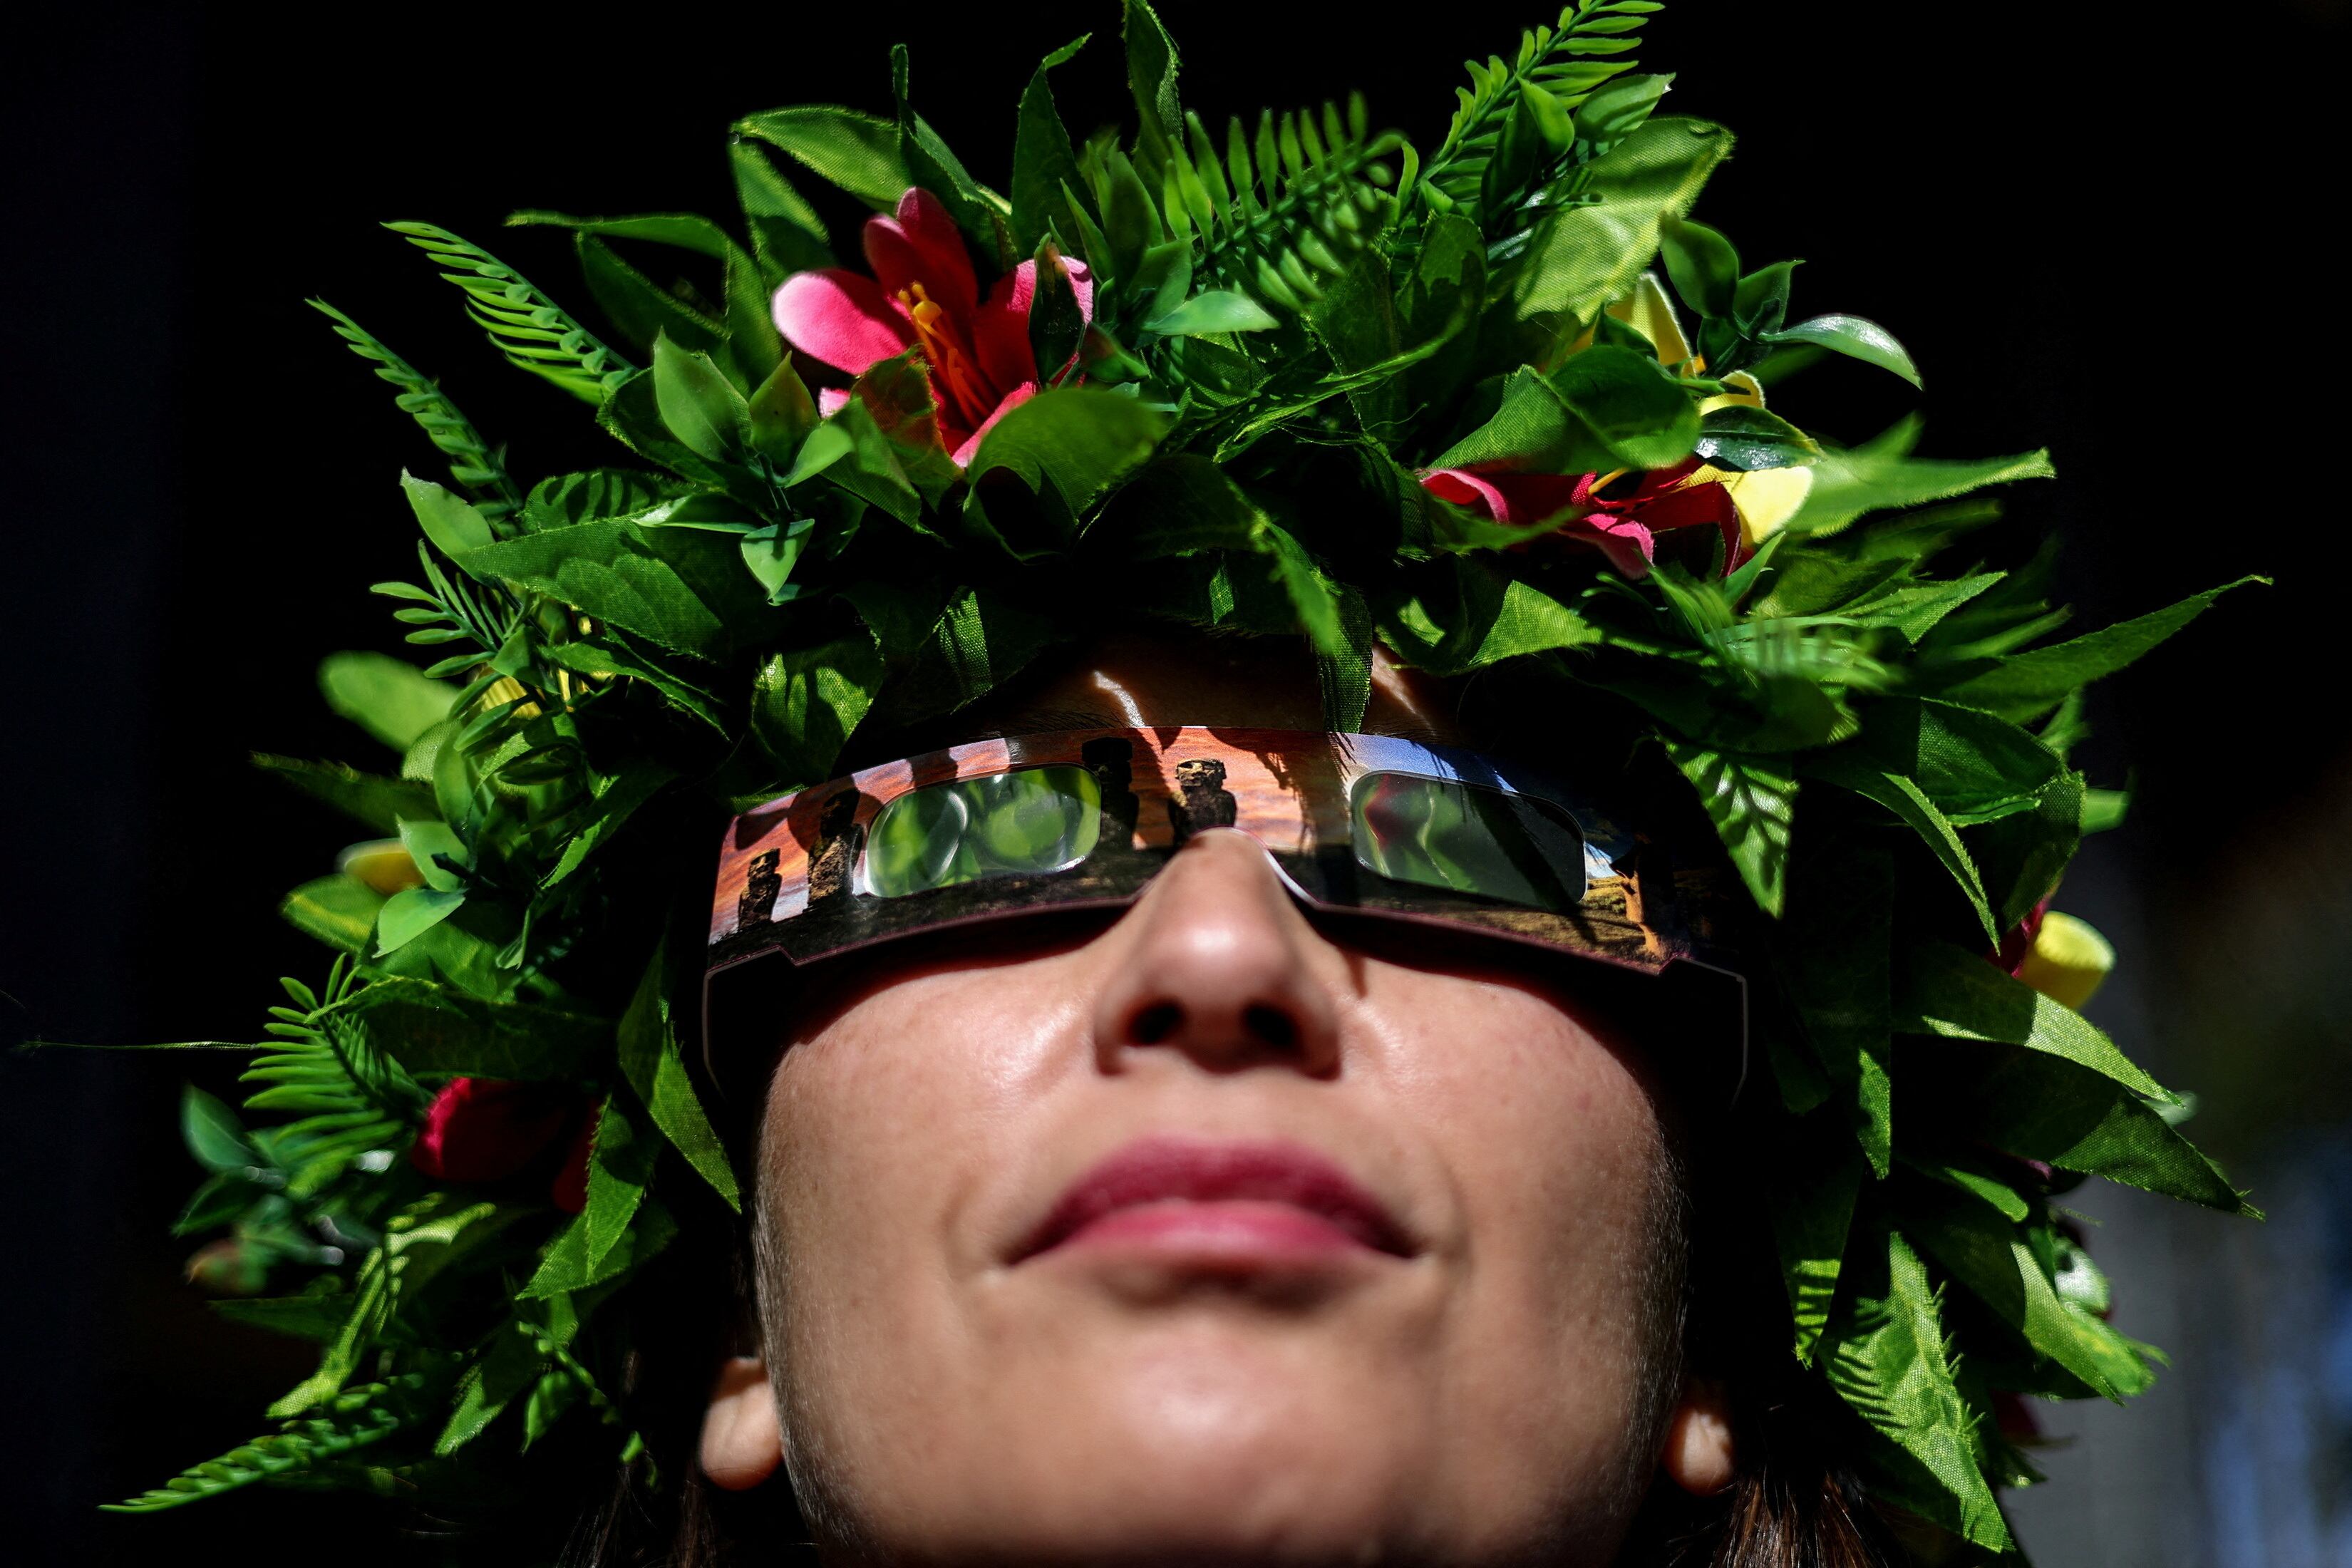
point(1240, 1233)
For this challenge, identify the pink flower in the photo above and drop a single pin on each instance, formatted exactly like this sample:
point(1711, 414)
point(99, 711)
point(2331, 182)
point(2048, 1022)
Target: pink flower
point(924, 294)
point(1624, 528)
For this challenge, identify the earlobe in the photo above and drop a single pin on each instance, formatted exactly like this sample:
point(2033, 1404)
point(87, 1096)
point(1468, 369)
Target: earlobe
point(743, 1445)
point(1698, 1456)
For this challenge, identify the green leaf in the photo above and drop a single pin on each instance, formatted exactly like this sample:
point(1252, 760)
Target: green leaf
point(619, 1165)
point(1811, 1192)
point(1991, 1257)
point(657, 1074)
point(1079, 439)
point(1044, 163)
point(769, 554)
point(433, 1029)
point(744, 338)
point(1903, 797)
point(308, 1316)
point(2023, 855)
point(511, 1365)
point(529, 329)
point(1615, 110)
point(566, 499)
point(1214, 310)
point(787, 234)
point(807, 702)
point(1747, 438)
point(2025, 684)
point(641, 310)
point(1761, 303)
point(424, 1240)
point(1187, 503)
point(378, 802)
point(782, 416)
point(1884, 1352)
point(697, 403)
point(1960, 995)
point(212, 1133)
point(1151, 78)
point(2004, 1198)
point(1463, 615)
point(858, 153)
point(1852, 336)
point(410, 913)
point(1056, 324)
point(976, 642)
point(352, 1422)
point(339, 910)
point(2040, 1107)
point(1833, 958)
point(681, 587)
point(1605, 408)
point(1441, 300)
point(1751, 801)
point(432, 846)
point(1583, 257)
point(473, 463)
point(1703, 265)
point(564, 1270)
point(1848, 485)
point(613, 798)
point(388, 698)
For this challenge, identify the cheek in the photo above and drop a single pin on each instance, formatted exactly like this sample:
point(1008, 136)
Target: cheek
point(1556, 1150)
point(878, 1127)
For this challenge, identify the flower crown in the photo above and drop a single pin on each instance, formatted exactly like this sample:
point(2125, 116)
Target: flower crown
point(1496, 400)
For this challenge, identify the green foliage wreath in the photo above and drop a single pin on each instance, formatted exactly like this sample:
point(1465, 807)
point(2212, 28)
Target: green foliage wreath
point(1311, 380)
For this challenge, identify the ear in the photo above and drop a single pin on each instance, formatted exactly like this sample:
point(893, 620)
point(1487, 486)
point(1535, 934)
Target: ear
point(1698, 1455)
point(743, 1445)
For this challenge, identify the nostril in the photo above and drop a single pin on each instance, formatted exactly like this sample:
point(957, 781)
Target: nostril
point(1155, 1022)
point(1271, 1026)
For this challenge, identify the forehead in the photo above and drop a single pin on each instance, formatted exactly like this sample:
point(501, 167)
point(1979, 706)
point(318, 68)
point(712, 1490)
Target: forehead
point(1162, 678)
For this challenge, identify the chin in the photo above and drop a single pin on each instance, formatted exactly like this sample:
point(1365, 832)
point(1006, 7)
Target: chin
point(1203, 1443)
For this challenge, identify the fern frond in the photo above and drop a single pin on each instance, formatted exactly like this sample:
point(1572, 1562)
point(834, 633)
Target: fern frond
point(528, 327)
point(351, 1096)
point(1275, 216)
point(473, 463)
point(1566, 61)
point(352, 1420)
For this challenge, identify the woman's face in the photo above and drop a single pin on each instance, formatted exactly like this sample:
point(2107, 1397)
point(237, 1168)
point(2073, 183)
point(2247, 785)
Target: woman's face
point(1209, 1233)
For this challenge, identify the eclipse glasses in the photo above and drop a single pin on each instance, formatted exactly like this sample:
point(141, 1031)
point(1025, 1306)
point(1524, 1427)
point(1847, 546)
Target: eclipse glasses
point(1086, 817)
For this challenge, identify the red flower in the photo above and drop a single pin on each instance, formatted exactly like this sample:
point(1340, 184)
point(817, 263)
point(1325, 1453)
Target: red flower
point(483, 1130)
point(1624, 528)
point(924, 294)
point(570, 1191)
point(2018, 946)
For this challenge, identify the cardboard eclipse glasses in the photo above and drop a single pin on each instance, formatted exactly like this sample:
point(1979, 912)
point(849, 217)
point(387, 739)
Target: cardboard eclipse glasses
point(1085, 817)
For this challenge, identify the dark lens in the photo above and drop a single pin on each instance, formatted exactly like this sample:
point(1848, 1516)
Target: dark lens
point(1467, 838)
point(1007, 824)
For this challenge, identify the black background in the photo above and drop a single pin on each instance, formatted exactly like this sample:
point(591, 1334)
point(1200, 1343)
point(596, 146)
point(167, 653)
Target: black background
point(2099, 228)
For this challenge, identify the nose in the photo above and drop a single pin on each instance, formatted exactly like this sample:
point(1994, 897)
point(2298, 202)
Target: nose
point(1216, 961)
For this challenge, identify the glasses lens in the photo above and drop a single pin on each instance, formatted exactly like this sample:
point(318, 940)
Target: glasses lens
point(1439, 833)
point(1010, 824)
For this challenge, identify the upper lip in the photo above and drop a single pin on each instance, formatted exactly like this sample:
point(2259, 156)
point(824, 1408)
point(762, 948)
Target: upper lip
point(1184, 1170)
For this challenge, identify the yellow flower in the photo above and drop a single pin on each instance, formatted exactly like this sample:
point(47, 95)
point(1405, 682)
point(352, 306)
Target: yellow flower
point(1766, 499)
point(382, 864)
point(2068, 961)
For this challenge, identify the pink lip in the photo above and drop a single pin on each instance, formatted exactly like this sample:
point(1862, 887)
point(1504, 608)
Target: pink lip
point(1242, 1204)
